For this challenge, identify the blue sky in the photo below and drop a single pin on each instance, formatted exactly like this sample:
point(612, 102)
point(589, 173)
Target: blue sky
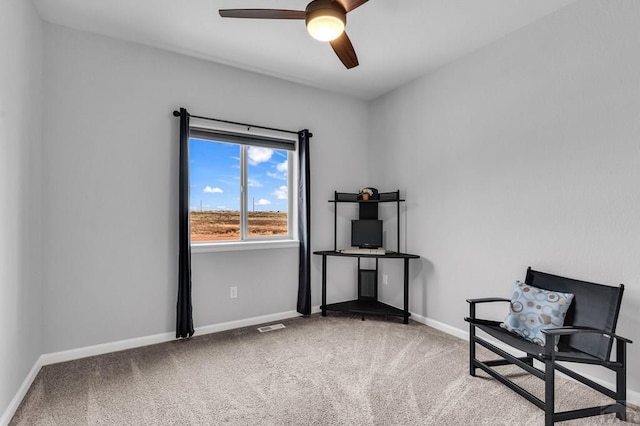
point(214, 170)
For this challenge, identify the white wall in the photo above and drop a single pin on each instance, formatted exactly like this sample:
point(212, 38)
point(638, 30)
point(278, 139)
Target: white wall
point(20, 139)
point(524, 153)
point(110, 187)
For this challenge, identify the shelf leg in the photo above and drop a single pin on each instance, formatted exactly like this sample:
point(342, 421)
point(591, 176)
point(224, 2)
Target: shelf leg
point(406, 292)
point(324, 285)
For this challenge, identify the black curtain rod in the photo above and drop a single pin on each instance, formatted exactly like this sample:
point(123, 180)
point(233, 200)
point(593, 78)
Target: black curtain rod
point(177, 114)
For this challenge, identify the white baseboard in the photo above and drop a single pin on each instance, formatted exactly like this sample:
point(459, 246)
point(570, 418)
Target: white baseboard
point(22, 392)
point(70, 355)
point(121, 345)
point(440, 326)
point(633, 397)
point(137, 342)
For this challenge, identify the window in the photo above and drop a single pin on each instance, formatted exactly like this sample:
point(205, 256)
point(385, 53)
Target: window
point(240, 186)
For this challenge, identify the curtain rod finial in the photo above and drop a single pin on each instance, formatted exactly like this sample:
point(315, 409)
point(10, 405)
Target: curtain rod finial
point(176, 113)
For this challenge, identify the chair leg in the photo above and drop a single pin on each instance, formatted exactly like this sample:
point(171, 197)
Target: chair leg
point(549, 391)
point(472, 342)
point(472, 351)
point(621, 380)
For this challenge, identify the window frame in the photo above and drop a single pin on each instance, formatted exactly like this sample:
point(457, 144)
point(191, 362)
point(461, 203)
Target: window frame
point(246, 138)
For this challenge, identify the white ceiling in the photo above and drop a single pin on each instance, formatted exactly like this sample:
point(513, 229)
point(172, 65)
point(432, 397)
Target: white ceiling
point(396, 40)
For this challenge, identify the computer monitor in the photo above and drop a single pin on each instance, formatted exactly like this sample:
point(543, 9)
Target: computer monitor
point(366, 233)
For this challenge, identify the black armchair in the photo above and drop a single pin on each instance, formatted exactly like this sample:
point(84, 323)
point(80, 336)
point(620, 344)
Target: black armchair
point(586, 338)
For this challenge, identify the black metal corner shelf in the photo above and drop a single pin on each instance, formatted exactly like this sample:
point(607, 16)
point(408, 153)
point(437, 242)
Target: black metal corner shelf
point(367, 302)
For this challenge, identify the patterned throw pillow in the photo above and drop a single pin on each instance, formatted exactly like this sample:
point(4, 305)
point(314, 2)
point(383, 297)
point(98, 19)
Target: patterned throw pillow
point(533, 309)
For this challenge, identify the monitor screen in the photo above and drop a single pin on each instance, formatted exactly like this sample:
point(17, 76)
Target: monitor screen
point(366, 233)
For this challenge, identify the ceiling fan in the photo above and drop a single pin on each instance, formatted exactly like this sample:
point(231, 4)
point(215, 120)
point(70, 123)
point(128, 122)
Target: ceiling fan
point(325, 21)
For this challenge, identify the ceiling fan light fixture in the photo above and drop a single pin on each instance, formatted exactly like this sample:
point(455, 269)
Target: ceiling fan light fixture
point(325, 28)
point(325, 20)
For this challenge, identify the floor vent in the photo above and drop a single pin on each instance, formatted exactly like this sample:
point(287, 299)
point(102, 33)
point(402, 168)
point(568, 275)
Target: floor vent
point(270, 328)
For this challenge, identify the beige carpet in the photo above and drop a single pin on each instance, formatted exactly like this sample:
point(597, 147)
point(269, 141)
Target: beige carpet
point(335, 370)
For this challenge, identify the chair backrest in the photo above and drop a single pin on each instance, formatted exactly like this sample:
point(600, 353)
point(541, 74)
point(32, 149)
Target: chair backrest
point(594, 305)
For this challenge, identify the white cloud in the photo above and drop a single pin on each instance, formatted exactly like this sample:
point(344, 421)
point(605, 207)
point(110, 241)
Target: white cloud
point(254, 183)
point(259, 155)
point(213, 190)
point(281, 173)
point(281, 193)
point(263, 202)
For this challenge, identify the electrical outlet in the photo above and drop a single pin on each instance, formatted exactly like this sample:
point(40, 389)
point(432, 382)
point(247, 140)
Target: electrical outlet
point(385, 279)
point(233, 292)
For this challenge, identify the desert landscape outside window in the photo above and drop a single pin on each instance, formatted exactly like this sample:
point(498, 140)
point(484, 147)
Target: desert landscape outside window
point(239, 189)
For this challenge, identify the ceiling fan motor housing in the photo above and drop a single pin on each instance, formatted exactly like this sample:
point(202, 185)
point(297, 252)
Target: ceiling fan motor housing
point(325, 8)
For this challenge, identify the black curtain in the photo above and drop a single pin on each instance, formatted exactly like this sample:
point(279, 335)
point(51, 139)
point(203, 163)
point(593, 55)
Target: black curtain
point(184, 323)
point(304, 224)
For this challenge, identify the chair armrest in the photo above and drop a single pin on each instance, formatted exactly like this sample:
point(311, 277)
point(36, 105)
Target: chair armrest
point(488, 299)
point(473, 302)
point(478, 321)
point(570, 330)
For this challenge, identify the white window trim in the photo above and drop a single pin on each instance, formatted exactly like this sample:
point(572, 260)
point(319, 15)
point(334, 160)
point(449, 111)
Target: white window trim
point(221, 246)
point(277, 242)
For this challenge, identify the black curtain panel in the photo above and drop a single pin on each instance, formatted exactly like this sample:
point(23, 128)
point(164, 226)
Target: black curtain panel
point(184, 323)
point(304, 224)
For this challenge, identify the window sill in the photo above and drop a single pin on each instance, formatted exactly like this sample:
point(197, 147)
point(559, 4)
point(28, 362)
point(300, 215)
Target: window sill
point(243, 246)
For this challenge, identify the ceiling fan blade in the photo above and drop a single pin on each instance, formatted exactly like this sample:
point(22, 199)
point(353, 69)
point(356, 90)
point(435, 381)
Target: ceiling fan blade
point(262, 13)
point(345, 51)
point(349, 5)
